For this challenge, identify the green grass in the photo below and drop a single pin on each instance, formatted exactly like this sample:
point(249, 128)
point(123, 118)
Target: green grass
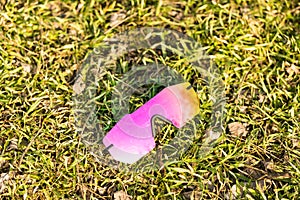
point(256, 45)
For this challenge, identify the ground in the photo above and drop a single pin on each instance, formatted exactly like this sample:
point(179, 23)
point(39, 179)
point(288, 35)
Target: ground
point(256, 46)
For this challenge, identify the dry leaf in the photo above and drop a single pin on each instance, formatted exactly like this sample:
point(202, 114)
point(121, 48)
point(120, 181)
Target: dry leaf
point(243, 109)
point(254, 173)
point(117, 18)
point(121, 195)
point(3, 177)
point(269, 165)
point(279, 175)
point(196, 195)
point(237, 129)
point(176, 14)
point(79, 6)
point(261, 98)
point(79, 86)
point(296, 142)
point(292, 69)
point(251, 170)
point(13, 145)
point(26, 67)
point(3, 163)
point(234, 192)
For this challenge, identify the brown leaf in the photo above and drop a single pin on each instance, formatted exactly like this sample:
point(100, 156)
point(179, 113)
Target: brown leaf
point(243, 109)
point(79, 86)
point(237, 129)
point(13, 145)
point(295, 142)
point(261, 98)
point(192, 195)
point(279, 175)
point(121, 195)
point(3, 178)
point(235, 192)
point(176, 14)
point(292, 69)
point(117, 18)
point(269, 165)
point(3, 163)
point(253, 171)
point(26, 67)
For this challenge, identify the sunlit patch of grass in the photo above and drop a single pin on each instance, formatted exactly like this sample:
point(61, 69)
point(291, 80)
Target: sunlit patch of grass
point(256, 45)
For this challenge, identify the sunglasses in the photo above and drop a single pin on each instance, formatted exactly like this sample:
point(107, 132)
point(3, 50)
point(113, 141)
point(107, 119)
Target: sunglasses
point(133, 135)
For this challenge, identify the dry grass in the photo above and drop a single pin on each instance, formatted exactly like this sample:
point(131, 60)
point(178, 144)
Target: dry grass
point(256, 45)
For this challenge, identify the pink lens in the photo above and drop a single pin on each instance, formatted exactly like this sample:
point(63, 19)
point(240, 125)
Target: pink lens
point(132, 137)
